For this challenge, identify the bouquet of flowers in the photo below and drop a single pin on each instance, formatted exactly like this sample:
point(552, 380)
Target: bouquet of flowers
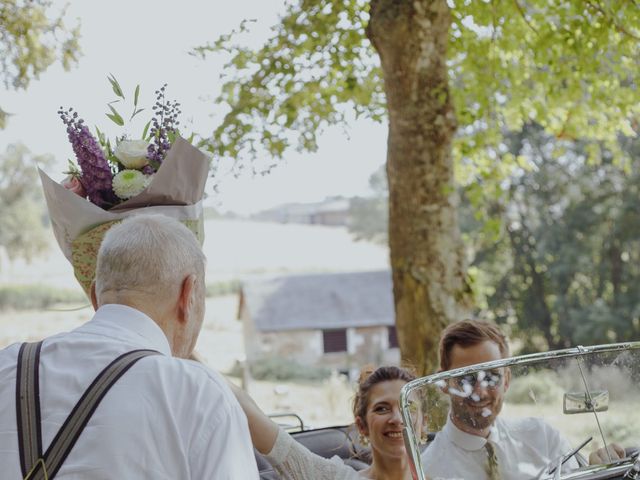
point(161, 172)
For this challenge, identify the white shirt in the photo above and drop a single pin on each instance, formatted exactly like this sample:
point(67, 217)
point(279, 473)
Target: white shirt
point(165, 418)
point(523, 447)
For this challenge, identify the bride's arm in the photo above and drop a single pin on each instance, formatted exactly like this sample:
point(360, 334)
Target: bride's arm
point(263, 430)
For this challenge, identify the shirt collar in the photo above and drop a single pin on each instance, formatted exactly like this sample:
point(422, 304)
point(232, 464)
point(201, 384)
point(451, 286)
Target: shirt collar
point(468, 441)
point(128, 324)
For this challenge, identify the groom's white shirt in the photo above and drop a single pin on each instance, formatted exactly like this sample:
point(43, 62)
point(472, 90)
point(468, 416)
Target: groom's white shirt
point(523, 447)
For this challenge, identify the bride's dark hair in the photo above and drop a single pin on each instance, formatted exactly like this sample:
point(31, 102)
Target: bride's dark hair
point(370, 377)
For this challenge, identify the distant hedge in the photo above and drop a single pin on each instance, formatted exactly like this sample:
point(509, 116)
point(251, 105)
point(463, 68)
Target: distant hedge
point(223, 288)
point(278, 369)
point(37, 296)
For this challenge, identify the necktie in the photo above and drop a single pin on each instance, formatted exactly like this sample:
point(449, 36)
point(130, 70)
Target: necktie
point(493, 471)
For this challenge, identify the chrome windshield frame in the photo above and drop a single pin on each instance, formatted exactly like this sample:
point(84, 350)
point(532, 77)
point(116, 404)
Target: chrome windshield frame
point(413, 449)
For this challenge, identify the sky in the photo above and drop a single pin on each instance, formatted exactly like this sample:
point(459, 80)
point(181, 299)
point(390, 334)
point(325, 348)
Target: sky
point(147, 43)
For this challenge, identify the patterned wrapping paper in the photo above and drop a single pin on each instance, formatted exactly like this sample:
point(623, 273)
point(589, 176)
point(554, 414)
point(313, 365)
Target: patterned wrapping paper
point(176, 190)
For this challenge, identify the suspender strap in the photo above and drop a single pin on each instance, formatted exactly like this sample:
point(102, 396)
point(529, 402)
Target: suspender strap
point(28, 406)
point(45, 467)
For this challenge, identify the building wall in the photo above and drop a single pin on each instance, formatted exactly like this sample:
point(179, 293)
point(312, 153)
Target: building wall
point(365, 346)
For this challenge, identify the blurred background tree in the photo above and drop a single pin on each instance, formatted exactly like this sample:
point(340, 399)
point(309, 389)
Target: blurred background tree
point(556, 260)
point(32, 37)
point(23, 215)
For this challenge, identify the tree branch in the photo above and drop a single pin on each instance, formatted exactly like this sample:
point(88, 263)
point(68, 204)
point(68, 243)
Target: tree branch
point(607, 16)
point(524, 17)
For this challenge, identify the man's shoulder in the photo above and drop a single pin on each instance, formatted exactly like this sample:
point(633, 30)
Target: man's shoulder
point(188, 371)
point(523, 423)
point(441, 445)
point(530, 428)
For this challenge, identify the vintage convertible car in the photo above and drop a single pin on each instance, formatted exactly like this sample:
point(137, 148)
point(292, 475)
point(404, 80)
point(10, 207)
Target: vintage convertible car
point(590, 395)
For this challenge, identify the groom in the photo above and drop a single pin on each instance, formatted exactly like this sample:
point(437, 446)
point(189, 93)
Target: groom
point(152, 414)
point(476, 442)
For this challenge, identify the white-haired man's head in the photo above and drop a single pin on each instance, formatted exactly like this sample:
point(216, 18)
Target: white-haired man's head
point(147, 254)
point(155, 264)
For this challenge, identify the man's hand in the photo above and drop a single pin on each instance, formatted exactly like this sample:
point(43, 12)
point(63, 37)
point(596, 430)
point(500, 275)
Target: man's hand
point(600, 456)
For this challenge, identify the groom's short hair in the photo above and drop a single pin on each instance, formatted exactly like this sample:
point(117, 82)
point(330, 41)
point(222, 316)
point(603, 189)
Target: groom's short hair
point(468, 333)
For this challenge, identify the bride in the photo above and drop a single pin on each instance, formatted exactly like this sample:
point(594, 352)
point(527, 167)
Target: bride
point(377, 415)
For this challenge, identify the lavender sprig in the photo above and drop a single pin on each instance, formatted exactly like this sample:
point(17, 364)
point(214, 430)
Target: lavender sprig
point(164, 127)
point(96, 174)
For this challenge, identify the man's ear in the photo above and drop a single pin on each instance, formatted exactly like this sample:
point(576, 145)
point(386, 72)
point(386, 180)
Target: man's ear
point(94, 297)
point(507, 378)
point(185, 299)
point(444, 388)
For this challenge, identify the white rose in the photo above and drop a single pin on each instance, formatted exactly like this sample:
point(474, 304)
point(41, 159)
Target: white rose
point(132, 153)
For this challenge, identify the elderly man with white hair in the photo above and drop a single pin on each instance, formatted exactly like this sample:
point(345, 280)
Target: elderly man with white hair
point(117, 397)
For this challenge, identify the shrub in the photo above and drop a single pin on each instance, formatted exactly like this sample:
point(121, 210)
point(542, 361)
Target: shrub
point(36, 296)
point(281, 369)
point(223, 288)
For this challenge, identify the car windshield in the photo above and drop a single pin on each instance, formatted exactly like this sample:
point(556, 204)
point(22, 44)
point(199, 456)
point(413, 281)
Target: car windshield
point(535, 416)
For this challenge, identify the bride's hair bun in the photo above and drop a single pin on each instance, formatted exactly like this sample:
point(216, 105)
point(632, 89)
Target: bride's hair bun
point(365, 372)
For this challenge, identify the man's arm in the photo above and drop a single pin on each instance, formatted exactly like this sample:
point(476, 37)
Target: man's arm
point(600, 456)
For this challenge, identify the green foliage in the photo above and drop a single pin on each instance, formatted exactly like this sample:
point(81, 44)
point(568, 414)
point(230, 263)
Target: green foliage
point(223, 288)
point(569, 66)
point(282, 370)
point(22, 211)
point(536, 387)
point(32, 38)
point(317, 64)
point(558, 263)
point(567, 269)
point(37, 297)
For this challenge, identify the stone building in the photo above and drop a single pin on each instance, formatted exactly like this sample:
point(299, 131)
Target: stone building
point(336, 320)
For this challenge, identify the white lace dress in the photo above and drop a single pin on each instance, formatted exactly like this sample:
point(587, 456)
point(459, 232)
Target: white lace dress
point(295, 462)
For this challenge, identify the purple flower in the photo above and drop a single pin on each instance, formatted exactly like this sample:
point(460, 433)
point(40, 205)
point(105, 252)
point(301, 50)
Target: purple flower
point(96, 173)
point(164, 125)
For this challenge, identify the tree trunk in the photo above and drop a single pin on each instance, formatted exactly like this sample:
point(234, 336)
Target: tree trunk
point(427, 259)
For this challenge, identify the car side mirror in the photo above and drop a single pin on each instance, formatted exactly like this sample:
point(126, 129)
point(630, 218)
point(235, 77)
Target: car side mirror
point(583, 402)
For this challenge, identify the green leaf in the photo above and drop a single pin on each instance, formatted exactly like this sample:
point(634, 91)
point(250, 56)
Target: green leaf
point(146, 130)
point(101, 137)
point(135, 96)
point(115, 116)
point(136, 112)
point(115, 86)
point(116, 120)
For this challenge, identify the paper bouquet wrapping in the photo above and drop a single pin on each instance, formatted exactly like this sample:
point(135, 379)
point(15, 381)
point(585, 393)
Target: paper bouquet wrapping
point(175, 190)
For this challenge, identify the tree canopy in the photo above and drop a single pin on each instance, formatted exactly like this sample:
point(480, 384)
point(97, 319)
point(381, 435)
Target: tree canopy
point(568, 66)
point(434, 68)
point(32, 37)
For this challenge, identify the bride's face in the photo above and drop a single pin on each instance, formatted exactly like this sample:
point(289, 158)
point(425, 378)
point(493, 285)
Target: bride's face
point(384, 424)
